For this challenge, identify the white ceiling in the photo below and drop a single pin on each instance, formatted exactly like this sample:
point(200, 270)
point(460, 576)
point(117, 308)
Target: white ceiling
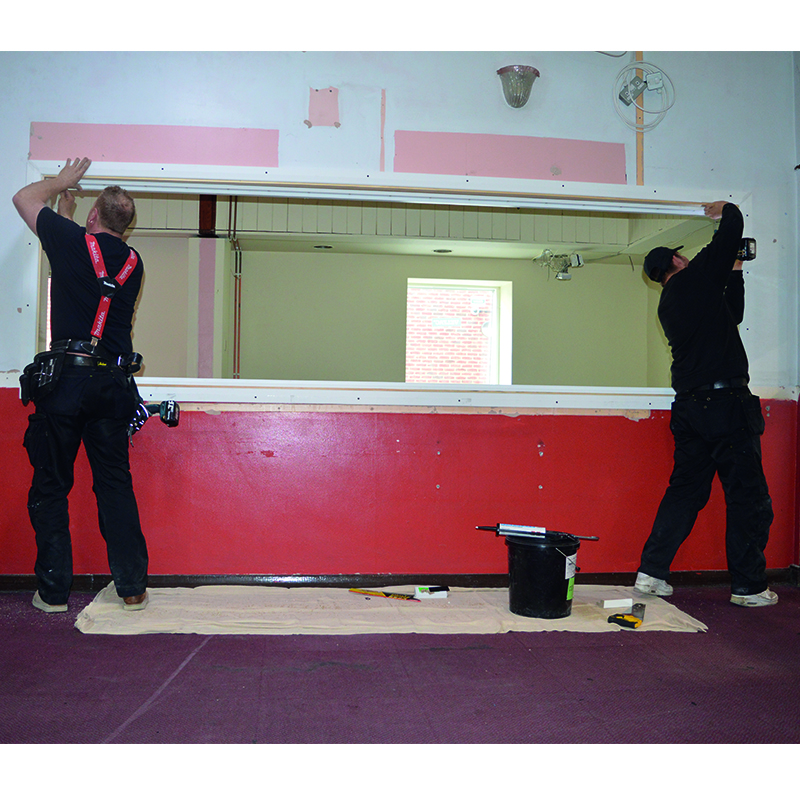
point(691, 232)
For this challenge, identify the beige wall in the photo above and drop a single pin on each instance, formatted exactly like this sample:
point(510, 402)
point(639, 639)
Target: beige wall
point(330, 316)
point(160, 327)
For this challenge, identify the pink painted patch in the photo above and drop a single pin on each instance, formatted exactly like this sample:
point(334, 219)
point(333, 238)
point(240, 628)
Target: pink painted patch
point(323, 108)
point(500, 156)
point(207, 268)
point(154, 144)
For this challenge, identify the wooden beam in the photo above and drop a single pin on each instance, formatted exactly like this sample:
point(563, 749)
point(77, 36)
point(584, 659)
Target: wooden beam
point(207, 222)
point(639, 131)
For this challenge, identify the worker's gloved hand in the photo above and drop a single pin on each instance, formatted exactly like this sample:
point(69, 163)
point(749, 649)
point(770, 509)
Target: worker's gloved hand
point(140, 416)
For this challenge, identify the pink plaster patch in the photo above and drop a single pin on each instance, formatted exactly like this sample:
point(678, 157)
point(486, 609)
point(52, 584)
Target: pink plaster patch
point(500, 156)
point(207, 268)
point(323, 108)
point(154, 144)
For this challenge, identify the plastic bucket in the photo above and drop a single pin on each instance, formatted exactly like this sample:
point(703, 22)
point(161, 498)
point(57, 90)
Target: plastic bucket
point(542, 575)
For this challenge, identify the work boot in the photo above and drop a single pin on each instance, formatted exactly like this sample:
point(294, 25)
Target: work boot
point(46, 607)
point(137, 602)
point(765, 598)
point(646, 584)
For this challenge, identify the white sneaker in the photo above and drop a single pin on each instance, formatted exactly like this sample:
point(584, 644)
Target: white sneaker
point(42, 606)
point(649, 585)
point(765, 598)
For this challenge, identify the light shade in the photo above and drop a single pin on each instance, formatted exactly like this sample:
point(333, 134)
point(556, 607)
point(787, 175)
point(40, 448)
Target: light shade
point(517, 81)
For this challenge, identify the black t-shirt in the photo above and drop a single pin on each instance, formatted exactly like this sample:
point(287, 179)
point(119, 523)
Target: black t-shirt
point(701, 307)
point(74, 291)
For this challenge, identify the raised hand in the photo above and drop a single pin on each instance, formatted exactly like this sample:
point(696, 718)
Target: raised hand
point(714, 210)
point(71, 173)
point(66, 204)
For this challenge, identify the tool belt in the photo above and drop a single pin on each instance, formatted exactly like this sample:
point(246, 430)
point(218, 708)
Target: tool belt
point(40, 377)
point(728, 383)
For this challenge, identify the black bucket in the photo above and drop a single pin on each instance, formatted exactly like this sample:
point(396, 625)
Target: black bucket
point(542, 575)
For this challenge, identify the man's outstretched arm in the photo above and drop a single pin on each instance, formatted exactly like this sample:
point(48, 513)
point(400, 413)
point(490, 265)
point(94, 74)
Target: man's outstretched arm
point(30, 200)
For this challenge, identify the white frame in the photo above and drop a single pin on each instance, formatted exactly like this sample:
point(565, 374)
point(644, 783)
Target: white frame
point(386, 187)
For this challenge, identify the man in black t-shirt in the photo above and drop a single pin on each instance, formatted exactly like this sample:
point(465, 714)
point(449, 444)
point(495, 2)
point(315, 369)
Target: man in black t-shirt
point(715, 420)
point(94, 398)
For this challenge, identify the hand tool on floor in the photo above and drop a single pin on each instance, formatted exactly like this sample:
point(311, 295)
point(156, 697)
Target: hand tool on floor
point(391, 595)
point(504, 529)
point(431, 592)
point(632, 620)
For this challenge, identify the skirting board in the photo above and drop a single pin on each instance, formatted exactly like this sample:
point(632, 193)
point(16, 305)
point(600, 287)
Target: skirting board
point(94, 583)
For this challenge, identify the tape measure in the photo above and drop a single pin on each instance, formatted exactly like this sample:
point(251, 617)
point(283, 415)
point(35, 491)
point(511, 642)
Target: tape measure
point(625, 620)
point(632, 620)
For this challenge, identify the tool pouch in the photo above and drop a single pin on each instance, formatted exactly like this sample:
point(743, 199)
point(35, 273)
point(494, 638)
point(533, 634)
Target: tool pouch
point(39, 378)
point(131, 363)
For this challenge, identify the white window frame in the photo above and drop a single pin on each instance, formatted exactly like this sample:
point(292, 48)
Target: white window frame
point(387, 187)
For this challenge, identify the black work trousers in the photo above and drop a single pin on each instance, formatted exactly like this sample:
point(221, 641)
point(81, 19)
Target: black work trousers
point(716, 431)
point(92, 405)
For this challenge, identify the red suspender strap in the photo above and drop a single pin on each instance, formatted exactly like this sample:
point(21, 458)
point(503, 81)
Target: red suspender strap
point(108, 286)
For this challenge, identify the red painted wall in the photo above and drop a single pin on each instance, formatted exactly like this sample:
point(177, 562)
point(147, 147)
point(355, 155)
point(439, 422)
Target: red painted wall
point(339, 493)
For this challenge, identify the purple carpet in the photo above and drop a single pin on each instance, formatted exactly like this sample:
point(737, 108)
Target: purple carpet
point(737, 683)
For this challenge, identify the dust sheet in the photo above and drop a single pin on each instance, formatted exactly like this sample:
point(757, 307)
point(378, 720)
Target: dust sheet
point(323, 611)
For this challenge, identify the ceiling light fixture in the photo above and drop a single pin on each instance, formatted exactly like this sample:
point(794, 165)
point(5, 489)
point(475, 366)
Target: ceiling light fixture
point(560, 264)
point(517, 81)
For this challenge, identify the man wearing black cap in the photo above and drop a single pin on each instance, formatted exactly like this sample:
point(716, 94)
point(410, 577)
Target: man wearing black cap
point(716, 422)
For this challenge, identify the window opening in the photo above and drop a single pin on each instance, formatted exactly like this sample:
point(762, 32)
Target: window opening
point(458, 332)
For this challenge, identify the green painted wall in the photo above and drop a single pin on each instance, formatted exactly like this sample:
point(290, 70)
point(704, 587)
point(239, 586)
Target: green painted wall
point(328, 316)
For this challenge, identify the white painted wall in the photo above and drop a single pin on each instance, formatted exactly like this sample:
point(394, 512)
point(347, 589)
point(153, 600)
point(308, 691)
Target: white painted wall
point(732, 130)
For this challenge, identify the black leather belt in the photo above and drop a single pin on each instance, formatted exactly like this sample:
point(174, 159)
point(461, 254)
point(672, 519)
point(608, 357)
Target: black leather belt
point(75, 360)
point(80, 347)
point(82, 353)
point(730, 383)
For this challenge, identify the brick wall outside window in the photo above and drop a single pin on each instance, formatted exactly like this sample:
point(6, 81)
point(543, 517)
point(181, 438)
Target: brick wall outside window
point(446, 334)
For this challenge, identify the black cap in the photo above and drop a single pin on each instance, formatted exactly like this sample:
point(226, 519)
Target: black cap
point(658, 261)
